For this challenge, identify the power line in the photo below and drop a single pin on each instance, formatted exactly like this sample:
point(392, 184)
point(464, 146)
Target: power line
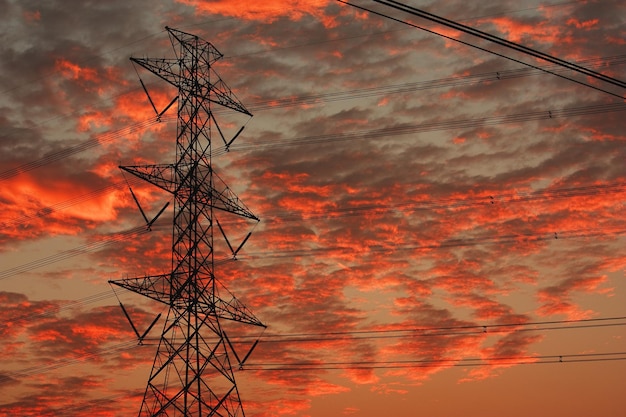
point(431, 204)
point(81, 147)
point(406, 129)
point(435, 331)
point(443, 362)
point(392, 248)
point(466, 29)
point(500, 41)
point(471, 79)
point(334, 137)
point(271, 50)
point(490, 200)
point(548, 325)
point(66, 204)
point(80, 250)
point(501, 75)
point(380, 248)
point(55, 309)
point(384, 33)
point(352, 94)
point(428, 334)
point(261, 105)
point(54, 365)
point(465, 331)
point(524, 238)
point(374, 333)
point(574, 358)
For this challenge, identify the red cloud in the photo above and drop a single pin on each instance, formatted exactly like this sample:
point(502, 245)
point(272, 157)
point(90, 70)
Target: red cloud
point(36, 207)
point(520, 32)
point(81, 334)
point(73, 71)
point(267, 11)
point(587, 24)
point(91, 79)
point(277, 407)
point(558, 299)
point(16, 309)
point(508, 351)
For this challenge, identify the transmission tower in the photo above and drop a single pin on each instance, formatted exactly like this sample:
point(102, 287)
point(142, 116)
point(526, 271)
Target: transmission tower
point(193, 369)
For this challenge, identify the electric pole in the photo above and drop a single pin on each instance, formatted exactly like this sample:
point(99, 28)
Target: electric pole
point(193, 369)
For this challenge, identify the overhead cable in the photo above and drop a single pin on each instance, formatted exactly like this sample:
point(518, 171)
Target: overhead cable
point(439, 362)
point(475, 32)
point(80, 250)
point(383, 247)
point(73, 150)
point(435, 331)
point(396, 249)
point(430, 331)
point(51, 366)
point(405, 129)
point(347, 95)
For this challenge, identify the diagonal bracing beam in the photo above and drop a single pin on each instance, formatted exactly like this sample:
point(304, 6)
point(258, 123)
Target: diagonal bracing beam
point(192, 374)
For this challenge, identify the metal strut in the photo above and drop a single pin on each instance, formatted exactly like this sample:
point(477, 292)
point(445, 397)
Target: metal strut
point(192, 374)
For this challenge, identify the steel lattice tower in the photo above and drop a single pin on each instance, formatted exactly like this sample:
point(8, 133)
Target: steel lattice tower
point(192, 374)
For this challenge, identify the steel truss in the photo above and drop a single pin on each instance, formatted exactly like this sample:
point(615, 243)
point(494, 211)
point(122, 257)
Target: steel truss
point(193, 369)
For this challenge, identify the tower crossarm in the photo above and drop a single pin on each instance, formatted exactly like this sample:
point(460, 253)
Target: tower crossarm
point(156, 287)
point(231, 309)
point(209, 85)
point(159, 287)
point(218, 92)
point(183, 42)
point(164, 68)
point(234, 310)
point(221, 197)
point(161, 175)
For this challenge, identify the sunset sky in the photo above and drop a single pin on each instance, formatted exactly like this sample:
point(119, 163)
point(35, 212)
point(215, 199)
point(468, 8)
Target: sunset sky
point(443, 229)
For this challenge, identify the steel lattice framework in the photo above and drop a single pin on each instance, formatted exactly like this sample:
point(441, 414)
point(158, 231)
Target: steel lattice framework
point(192, 373)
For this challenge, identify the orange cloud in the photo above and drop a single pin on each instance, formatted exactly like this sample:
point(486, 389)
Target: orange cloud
point(135, 107)
point(507, 351)
point(75, 72)
point(516, 31)
point(587, 24)
point(277, 407)
point(558, 299)
point(50, 207)
point(16, 309)
point(267, 11)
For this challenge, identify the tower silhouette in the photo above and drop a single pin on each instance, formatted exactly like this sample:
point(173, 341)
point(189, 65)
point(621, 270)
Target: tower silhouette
point(193, 369)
